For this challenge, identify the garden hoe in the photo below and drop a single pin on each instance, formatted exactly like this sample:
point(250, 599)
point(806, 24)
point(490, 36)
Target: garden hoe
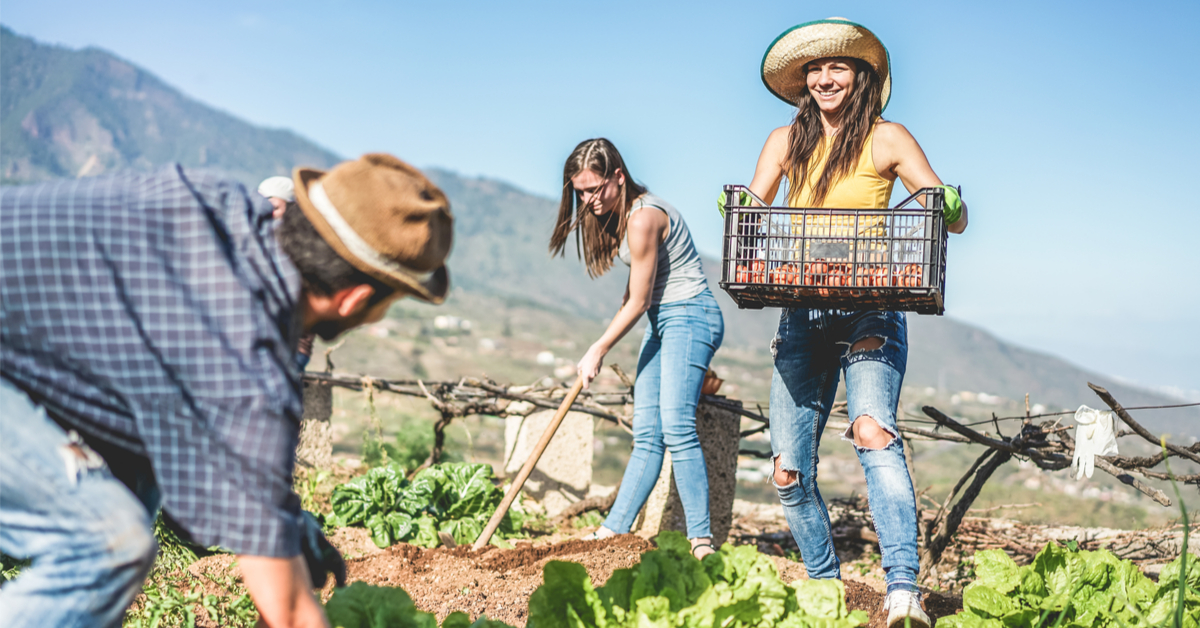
point(523, 475)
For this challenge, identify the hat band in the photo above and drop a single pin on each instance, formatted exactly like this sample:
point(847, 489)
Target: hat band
point(354, 243)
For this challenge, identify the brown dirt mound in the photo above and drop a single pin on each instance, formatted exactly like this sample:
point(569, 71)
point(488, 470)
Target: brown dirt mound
point(498, 583)
point(492, 582)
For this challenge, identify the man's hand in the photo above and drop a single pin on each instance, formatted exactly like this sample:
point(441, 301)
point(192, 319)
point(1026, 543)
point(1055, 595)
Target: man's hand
point(280, 588)
point(320, 556)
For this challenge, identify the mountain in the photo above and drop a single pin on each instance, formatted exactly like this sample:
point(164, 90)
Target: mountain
point(68, 113)
point(79, 113)
point(501, 250)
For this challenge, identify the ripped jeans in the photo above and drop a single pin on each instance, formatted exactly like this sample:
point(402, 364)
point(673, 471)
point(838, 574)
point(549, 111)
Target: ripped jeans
point(811, 348)
point(90, 537)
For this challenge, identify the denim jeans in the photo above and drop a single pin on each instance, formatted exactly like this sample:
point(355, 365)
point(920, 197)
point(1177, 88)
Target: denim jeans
point(678, 346)
point(811, 348)
point(90, 537)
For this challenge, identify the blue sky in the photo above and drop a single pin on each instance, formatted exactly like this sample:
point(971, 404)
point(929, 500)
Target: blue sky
point(1070, 125)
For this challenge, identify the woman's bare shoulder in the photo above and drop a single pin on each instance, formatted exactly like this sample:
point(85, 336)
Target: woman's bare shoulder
point(779, 135)
point(891, 132)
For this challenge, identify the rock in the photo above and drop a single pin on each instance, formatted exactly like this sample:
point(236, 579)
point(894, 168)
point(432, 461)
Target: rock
point(316, 436)
point(519, 408)
point(719, 438)
point(564, 472)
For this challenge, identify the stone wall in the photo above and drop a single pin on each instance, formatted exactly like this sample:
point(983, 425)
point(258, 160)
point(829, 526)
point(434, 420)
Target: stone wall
point(719, 431)
point(316, 438)
point(564, 472)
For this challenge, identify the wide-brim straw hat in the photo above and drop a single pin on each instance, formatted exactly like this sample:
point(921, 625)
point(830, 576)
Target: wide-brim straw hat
point(783, 64)
point(385, 218)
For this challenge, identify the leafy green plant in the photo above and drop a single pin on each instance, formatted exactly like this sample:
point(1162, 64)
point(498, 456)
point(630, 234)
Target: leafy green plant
point(10, 567)
point(1065, 588)
point(456, 498)
point(735, 587)
point(588, 519)
point(166, 606)
point(361, 605)
point(410, 448)
point(174, 554)
point(308, 487)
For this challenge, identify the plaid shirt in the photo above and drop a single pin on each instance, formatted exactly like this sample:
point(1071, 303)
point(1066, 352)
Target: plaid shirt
point(156, 312)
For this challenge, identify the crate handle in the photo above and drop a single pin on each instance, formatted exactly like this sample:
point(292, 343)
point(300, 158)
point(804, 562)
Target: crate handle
point(730, 189)
point(938, 195)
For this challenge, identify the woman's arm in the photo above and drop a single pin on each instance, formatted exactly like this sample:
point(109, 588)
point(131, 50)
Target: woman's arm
point(770, 171)
point(897, 154)
point(645, 232)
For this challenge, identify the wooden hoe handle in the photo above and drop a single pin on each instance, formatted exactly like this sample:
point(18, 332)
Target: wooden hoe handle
point(523, 475)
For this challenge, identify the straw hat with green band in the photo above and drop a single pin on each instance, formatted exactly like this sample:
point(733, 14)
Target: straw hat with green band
point(783, 65)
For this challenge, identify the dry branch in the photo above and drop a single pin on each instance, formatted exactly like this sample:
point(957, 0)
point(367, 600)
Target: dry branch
point(1137, 427)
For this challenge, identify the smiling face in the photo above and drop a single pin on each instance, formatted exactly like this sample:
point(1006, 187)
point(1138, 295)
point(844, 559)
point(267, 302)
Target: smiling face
point(597, 194)
point(830, 81)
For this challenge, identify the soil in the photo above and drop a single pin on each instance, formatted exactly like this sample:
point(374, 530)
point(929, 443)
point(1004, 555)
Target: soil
point(492, 582)
point(498, 583)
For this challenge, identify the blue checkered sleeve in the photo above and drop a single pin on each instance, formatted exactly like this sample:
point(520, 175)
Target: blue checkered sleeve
point(156, 312)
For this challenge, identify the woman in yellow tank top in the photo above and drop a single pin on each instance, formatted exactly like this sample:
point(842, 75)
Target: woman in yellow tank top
point(839, 153)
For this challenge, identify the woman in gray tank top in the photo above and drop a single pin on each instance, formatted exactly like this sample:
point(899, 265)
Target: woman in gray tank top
point(612, 217)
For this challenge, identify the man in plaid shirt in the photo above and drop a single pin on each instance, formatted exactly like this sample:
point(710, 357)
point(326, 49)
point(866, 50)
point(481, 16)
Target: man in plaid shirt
point(148, 327)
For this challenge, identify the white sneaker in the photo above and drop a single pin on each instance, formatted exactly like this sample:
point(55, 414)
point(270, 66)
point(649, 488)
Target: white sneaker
point(904, 610)
point(600, 534)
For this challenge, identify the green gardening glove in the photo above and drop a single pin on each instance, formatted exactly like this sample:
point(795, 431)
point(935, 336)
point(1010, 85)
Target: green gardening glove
point(952, 208)
point(744, 200)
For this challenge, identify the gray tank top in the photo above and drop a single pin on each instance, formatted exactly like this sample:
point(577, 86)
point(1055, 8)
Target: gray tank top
point(679, 274)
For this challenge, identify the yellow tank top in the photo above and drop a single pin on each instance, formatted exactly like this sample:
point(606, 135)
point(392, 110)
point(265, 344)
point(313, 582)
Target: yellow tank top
point(863, 188)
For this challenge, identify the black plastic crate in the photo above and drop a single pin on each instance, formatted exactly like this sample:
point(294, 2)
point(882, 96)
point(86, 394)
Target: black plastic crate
point(844, 259)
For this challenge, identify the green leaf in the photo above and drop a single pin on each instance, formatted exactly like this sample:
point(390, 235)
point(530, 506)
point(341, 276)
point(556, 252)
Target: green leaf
point(822, 598)
point(373, 493)
point(426, 532)
point(401, 525)
point(457, 619)
point(381, 531)
point(565, 599)
point(361, 605)
point(1052, 565)
point(995, 569)
point(981, 599)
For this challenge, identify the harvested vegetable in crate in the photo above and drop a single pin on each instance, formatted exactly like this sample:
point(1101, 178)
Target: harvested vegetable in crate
point(849, 259)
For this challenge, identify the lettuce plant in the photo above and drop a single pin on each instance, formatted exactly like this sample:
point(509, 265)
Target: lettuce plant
point(1071, 589)
point(361, 605)
point(457, 498)
point(734, 588)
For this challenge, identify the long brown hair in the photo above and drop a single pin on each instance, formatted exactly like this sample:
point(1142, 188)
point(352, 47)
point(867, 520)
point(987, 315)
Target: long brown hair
point(859, 113)
point(597, 238)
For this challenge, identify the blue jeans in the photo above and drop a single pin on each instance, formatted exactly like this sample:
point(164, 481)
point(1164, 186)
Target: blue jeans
point(811, 348)
point(678, 346)
point(91, 538)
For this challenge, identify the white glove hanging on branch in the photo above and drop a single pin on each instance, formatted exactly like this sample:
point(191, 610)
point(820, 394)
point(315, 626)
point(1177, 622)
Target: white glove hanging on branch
point(1094, 436)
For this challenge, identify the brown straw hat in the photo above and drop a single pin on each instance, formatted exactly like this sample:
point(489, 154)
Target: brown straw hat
point(783, 65)
point(384, 217)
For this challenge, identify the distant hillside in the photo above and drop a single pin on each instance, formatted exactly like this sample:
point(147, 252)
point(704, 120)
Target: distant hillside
point(66, 113)
point(69, 113)
point(500, 250)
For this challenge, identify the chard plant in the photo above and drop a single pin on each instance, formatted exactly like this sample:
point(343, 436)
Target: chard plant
point(456, 498)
